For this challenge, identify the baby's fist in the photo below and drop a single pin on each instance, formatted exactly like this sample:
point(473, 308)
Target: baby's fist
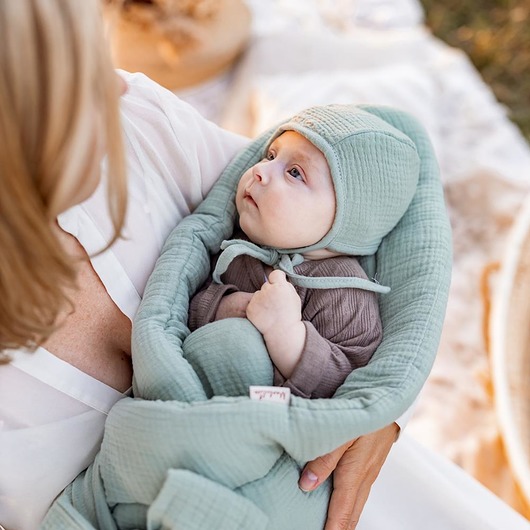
point(275, 305)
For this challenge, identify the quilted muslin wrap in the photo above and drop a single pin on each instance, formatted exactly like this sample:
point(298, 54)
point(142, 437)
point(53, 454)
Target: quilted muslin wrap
point(192, 450)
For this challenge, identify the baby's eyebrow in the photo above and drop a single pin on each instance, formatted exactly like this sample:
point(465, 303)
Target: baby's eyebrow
point(299, 154)
point(306, 161)
point(302, 156)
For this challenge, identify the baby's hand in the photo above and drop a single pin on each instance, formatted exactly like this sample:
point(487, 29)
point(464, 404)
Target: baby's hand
point(233, 305)
point(276, 310)
point(275, 306)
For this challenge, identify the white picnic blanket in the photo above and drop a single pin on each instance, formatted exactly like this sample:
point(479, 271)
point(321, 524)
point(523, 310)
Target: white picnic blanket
point(311, 52)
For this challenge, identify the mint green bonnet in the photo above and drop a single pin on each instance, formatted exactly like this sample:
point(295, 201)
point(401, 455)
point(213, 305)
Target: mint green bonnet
point(375, 170)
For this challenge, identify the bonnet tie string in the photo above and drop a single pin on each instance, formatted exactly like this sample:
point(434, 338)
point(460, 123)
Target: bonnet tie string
point(233, 248)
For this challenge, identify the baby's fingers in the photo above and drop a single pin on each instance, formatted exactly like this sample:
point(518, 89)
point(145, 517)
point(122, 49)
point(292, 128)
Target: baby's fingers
point(277, 276)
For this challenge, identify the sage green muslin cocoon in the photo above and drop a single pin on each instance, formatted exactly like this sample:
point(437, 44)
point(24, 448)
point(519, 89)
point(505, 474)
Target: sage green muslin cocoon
point(192, 451)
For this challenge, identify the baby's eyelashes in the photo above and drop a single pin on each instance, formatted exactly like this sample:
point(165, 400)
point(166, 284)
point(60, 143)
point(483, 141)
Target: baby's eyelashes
point(295, 173)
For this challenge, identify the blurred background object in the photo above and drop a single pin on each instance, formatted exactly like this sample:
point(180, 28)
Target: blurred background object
point(178, 43)
point(509, 343)
point(495, 34)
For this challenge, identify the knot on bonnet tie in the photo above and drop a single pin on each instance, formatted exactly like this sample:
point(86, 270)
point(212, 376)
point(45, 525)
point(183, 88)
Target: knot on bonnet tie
point(233, 248)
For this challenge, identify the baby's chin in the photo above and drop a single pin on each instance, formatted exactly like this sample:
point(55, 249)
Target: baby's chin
point(322, 253)
point(264, 241)
point(253, 236)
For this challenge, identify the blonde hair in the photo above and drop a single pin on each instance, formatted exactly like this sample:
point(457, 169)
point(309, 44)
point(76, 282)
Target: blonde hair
point(57, 91)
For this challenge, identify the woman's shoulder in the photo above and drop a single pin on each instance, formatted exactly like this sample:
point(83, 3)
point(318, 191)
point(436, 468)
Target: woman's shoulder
point(145, 94)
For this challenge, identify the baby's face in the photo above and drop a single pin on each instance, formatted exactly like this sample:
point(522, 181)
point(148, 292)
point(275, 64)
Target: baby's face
point(287, 200)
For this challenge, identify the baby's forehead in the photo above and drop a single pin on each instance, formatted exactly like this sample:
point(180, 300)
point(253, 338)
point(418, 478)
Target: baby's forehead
point(297, 144)
point(287, 136)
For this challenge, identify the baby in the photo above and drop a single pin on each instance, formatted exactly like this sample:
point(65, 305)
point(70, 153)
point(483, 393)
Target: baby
point(332, 183)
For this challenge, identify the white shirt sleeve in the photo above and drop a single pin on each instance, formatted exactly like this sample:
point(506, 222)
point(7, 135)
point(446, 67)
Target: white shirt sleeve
point(194, 150)
point(403, 420)
point(174, 156)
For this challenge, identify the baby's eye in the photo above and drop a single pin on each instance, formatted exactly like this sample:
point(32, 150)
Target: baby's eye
point(270, 155)
point(295, 173)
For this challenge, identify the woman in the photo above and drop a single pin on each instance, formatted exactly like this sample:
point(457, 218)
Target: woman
point(61, 288)
point(66, 295)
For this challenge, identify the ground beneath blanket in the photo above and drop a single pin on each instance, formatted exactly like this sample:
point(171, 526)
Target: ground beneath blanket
point(455, 414)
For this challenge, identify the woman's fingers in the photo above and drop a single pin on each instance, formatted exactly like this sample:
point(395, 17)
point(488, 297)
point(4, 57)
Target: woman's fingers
point(355, 466)
point(351, 486)
point(318, 470)
point(354, 475)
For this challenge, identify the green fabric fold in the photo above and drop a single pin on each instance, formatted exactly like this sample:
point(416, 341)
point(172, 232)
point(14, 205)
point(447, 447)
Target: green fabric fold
point(192, 422)
point(286, 263)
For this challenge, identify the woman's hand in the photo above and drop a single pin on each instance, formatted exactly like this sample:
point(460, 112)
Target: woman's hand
point(355, 465)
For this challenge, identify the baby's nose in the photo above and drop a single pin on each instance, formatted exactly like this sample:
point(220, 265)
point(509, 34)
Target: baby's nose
point(261, 173)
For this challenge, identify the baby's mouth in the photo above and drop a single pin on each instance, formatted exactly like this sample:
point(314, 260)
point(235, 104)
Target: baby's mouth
point(248, 197)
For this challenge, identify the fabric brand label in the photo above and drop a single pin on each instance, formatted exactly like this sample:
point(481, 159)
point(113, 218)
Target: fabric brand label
point(275, 394)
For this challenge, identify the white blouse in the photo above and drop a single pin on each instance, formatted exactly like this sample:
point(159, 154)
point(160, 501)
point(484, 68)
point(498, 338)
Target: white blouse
point(52, 415)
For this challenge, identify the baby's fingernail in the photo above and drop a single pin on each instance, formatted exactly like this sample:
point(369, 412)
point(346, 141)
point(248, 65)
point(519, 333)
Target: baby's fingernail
point(308, 481)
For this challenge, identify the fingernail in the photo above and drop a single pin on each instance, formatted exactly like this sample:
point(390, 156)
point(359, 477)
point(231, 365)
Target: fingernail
point(308, 481)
